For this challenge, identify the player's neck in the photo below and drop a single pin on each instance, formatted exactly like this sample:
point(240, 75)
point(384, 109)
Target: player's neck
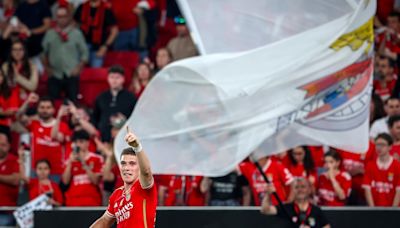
point(384, 158)
point(127, 187)
point(303, 204)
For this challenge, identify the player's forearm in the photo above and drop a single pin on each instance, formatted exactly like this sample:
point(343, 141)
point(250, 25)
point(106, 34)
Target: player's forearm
point(266, 207)
point(145, 174)
point(368, 197)
point(338, 190)
point(396, 199)
point(246, 196)
point(66, 176)
point(11, 179)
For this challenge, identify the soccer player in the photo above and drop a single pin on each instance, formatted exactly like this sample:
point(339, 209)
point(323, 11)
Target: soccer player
point(134, 204)
point(382, 176)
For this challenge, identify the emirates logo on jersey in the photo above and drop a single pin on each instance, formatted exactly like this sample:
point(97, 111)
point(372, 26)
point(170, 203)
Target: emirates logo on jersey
point(124, 212)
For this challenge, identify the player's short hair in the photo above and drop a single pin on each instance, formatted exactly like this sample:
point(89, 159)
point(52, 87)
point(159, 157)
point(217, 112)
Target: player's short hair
point(128, 151)
point(46, 99)
point(116, 69)
point(45, 161)
point(390, 99)
point(392, 120)
point(80, 135)
point(386, 137)
point(334, 154)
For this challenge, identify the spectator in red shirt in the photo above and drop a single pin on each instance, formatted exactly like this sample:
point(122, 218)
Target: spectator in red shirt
point(48, 136)
point(9, 179)
point(389, 40)
point(140, 79)
point(334, 186)
point(301, 164)
point(42, 184)
point(382, 176)
point(128, 15)
point(275, 172)
point(82, 173)
point(354, 164)
point(385, 80)
point(182, 191)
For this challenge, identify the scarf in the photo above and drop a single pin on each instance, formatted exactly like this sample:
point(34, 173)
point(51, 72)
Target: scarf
point(96, 22)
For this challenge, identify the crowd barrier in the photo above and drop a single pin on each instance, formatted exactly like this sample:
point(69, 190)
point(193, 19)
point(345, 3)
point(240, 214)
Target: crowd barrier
point(224, 217)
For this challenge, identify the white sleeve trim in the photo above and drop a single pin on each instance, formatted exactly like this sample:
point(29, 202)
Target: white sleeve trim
point(109, 214)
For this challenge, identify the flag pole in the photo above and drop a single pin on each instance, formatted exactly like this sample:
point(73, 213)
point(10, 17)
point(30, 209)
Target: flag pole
point(275, 194)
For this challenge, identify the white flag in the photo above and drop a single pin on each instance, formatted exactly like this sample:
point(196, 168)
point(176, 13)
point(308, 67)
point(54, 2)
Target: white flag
point(291, 73)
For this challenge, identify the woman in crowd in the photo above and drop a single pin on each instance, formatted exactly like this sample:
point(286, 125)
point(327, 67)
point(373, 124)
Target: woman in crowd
point(20, 71)
point(334, 185)
point(140, 79)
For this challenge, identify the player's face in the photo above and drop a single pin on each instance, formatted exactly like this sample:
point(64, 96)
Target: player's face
point(45, 110)
point(82, 144)
point(129, 168)
point(392, 107)
point(395, 130)
point(116, 81)
point(298, 154)
point(382, 147)
point(331, 163)
point(302, 189)
point(42, 171)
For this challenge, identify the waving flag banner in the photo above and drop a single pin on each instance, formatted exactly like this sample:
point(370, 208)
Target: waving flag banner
point(273, 74)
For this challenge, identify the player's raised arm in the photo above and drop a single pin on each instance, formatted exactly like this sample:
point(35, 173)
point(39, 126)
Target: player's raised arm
point(145, 174)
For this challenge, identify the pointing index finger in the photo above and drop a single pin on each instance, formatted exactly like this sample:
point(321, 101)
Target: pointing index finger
point(127, 129)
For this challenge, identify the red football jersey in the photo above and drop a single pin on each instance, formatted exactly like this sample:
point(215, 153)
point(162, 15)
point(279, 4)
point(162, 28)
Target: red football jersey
point(351, 161)
point(276, 173)
point(383, 180)
point(44, 147)
point(81, 191)
point(135, 210)
point(184, 190)
point(317, 154)
point(326, 193)
point(8, 193)
point(35, 189)
point(299, 171)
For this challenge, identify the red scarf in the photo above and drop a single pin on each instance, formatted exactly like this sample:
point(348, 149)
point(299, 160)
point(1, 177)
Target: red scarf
point(62, 33)
point(96, 23)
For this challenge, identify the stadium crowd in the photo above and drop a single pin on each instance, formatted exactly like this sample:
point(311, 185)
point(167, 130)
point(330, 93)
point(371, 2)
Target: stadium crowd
point(71, 74)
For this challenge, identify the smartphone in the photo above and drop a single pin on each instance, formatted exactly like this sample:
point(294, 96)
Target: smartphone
point(14, 21)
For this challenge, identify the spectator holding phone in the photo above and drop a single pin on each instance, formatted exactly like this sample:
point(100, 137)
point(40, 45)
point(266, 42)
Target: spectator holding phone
point(42, 184)
point(82, 173)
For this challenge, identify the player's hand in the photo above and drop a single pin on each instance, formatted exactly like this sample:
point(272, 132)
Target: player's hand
point(131, 138)
point(270, 188)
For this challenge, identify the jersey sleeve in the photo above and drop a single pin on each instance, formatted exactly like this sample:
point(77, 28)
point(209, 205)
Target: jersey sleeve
point(110, 208)
point(98, 164)
point(284, 174)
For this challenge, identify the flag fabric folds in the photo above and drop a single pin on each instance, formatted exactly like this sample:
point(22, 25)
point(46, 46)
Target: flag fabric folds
point(272, 75)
